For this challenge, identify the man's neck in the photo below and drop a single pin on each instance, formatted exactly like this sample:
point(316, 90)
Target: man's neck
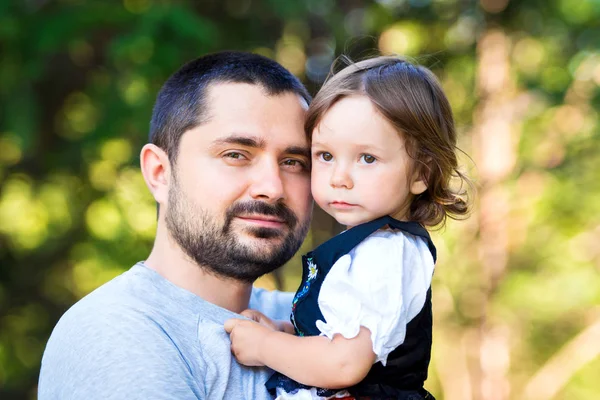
point(173, 264)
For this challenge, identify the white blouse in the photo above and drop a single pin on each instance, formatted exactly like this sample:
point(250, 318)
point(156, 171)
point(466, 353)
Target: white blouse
point(381, 284)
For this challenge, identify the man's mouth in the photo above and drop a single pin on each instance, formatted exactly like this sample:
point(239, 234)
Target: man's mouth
point(266, 221)
point(259, 215)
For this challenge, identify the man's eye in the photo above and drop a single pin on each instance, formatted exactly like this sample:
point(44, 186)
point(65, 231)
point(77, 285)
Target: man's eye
point(235, 155)
point(367, 158)
point(325, 156)
point(295, 164)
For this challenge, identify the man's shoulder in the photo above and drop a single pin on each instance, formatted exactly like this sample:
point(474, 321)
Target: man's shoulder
point(273, 303)
point(110, 311)
point(136, 301)
point(116, 297)
point(116, 335)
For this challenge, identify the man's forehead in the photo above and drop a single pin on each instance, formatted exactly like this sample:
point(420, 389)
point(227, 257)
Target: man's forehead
point(246, 109)
point(244, 114)
point(223, 97)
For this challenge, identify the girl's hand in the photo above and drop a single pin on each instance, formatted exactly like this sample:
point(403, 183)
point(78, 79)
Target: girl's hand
point(261, 318)
point(246, 340)
point(282, 326)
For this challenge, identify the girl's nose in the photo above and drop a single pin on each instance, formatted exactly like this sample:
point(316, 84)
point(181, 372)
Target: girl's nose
point(341, 179)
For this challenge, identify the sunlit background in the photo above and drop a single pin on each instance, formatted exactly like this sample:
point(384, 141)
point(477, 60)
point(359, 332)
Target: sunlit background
point(517, 287)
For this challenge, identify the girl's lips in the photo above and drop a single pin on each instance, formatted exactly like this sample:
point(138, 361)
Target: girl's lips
point(342, 205)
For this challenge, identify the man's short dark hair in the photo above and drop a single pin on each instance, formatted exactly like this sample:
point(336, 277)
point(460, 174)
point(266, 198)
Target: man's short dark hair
point(181, 104)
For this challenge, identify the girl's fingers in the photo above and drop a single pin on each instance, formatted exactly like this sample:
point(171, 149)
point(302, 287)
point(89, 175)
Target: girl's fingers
point(252, 314)
point(230, 324)
point(258, 317)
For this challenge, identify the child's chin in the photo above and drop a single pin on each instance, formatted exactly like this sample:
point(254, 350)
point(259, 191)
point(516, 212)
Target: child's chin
point(350, 222)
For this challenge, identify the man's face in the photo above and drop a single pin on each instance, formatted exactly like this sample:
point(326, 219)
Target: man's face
point(239, 197)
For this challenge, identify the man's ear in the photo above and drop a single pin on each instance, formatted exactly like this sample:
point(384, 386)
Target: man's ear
point(155, 167)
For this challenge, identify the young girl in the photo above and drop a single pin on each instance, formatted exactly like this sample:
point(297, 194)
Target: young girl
point(383, 156)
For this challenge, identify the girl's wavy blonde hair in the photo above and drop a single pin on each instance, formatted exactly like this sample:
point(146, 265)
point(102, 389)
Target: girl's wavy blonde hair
point(410, 97)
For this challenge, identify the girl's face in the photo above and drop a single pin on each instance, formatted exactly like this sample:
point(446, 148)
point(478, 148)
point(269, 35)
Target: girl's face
point(360, 165)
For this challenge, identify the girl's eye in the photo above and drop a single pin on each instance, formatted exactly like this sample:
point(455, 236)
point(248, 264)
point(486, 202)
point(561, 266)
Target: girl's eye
point(325, 156)
point(368, 159)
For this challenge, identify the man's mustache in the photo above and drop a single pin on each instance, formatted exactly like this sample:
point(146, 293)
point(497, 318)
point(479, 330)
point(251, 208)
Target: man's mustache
point(279, 210)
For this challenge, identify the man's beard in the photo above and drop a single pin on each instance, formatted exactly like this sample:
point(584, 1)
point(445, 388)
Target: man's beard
point(218, 248)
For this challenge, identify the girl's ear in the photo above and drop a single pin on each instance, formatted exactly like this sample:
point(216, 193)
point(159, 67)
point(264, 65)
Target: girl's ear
point(418, 186)
point(419, 180)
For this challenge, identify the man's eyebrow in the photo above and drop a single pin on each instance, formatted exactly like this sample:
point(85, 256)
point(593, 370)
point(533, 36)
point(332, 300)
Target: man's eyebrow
point(242, 140)
point(259, 143)
point(298, 150)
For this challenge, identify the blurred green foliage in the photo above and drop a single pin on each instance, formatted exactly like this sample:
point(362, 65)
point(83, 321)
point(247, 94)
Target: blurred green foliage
point(517, 285)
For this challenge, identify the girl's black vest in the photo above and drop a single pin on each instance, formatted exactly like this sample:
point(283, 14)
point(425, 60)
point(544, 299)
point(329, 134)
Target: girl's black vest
point(406, 368)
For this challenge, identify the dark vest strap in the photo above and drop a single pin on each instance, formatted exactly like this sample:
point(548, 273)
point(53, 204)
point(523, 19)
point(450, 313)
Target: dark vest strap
point(349, 239)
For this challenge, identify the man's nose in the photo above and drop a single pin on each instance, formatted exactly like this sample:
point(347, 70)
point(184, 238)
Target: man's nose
point(266, 182)
point(341, 177)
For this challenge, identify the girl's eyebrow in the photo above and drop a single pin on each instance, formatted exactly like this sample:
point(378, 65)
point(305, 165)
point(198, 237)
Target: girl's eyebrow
point(368, 147)
point(357, 147)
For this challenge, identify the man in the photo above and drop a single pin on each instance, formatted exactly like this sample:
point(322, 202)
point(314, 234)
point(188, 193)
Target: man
point(228, 165)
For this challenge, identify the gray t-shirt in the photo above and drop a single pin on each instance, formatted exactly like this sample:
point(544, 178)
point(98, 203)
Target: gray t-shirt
point(141, 337)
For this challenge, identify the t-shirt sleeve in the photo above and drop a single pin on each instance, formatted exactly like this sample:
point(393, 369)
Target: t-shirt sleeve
point(273, 303)
point(113, 354)
point(381, 285)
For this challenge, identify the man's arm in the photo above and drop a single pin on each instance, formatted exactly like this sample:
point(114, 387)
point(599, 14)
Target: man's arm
point(113, 354)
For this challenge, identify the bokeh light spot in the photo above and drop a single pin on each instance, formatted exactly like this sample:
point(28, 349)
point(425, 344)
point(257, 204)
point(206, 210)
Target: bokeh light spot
point(78, 117)
point(403, 39)
point(136, 6)
point(103, 219)
point(103, 175)
point(134, 90)
point(118, 151)
point(11, 152)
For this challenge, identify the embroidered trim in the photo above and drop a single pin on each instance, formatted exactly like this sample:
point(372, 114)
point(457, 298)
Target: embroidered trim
point(313, 271)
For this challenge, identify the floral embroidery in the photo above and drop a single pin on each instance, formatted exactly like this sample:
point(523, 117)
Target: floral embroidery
point(313, 271)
